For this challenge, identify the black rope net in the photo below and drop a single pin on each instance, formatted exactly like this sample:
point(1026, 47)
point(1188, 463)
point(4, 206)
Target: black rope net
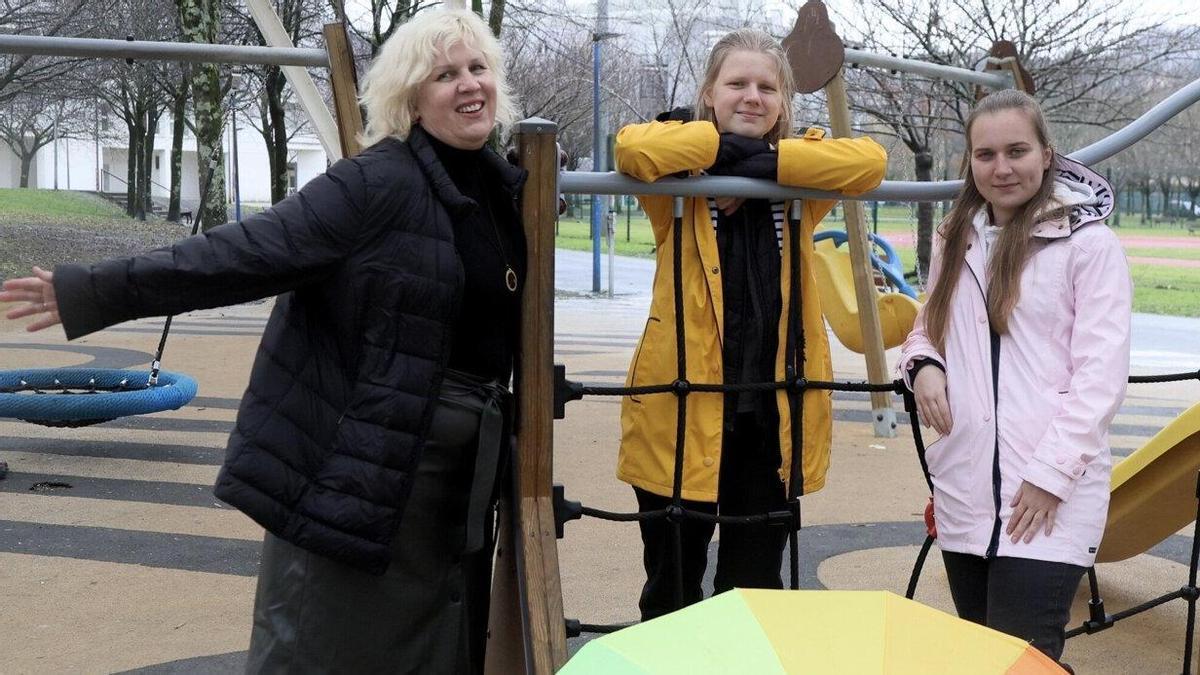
point(795, 385)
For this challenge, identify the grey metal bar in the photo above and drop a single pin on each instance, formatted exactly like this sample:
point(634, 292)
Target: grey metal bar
point(1141, 127)
point(994, 80)
point(161, 51)
point(582, 182)
point(611, 183)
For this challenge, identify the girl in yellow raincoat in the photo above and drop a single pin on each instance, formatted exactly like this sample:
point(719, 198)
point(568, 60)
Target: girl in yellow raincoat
point(736, 262)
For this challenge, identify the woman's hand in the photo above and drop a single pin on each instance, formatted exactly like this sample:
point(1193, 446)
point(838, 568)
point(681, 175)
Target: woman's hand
point(728, 205)
point(38, 291)
point(933, 408)
point(1033, 507)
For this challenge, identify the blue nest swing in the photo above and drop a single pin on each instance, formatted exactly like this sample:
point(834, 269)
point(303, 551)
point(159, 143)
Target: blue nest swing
point(76, 397)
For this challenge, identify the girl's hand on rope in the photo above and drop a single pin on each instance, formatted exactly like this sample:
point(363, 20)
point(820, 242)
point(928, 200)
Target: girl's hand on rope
point(1033, 508)
point(38, 291)
point(933, 408)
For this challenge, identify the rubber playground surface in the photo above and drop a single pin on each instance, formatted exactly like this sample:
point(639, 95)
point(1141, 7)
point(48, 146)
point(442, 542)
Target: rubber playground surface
point(114, 555)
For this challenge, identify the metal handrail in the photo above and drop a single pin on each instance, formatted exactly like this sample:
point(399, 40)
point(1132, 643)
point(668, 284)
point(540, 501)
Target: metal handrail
point(152, 182)
point(611, 183)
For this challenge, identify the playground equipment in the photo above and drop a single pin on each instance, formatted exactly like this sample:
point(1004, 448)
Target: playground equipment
point(1151, 490)
point(528, 631)
point(897, 309)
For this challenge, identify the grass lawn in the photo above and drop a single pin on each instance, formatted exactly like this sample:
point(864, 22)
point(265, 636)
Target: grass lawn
point(54, 206)
point(46, 227)
point(1166, 290)
point(1176, 253)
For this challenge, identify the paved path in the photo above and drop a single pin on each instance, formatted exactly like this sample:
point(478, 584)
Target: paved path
point(133, 566)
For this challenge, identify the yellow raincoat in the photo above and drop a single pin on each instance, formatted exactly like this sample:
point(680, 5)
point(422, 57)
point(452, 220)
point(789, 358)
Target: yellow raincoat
point(647, 458)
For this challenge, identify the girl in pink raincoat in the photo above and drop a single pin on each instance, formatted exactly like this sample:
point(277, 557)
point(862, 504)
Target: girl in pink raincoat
point(1019, 359)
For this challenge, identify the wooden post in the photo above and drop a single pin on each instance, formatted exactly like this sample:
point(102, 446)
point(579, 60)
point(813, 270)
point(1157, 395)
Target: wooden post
point(345, 87)
point(883, 416)
point(531, 544)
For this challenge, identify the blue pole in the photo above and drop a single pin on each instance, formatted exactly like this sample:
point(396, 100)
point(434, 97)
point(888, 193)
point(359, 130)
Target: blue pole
point(597, 163)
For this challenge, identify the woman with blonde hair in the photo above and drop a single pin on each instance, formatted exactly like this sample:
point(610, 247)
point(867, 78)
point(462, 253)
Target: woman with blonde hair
point(368, 440)
point(1019, 360)
point(736, 257)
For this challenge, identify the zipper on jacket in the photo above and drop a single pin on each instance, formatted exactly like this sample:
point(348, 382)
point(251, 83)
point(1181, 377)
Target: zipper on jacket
point(994, 339)
point(994, 541)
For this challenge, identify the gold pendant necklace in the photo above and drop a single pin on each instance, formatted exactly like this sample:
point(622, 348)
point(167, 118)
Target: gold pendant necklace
point(510, 275)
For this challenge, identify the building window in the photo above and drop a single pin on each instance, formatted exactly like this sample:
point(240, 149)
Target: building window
point(156, 162)
point(291, 169)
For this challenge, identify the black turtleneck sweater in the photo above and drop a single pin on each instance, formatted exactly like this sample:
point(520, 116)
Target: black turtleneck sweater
point(489, 241)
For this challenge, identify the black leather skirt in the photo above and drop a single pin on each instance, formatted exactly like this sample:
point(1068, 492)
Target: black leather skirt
point(428, 612)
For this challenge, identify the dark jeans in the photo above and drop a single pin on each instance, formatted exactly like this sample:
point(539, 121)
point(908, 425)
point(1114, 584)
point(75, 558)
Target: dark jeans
point(749, 556)
point(1029, 599)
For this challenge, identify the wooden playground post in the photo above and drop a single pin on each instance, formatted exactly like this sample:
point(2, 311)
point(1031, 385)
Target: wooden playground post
point(345, 87)
point(882, 414)
point(527, 592)
point(816, 54)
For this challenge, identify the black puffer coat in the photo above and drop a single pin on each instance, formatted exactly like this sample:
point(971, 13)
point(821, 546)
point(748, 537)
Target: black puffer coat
point(339, 400)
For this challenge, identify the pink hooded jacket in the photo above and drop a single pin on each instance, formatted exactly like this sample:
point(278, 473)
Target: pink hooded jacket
point(1034, 404)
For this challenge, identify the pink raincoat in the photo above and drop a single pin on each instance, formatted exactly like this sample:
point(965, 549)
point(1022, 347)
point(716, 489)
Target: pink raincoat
point(1034, 404)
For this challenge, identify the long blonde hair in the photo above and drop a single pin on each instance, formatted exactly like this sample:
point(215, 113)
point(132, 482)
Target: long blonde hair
point(1012, 246)
point(391, 85)
point(750, 40)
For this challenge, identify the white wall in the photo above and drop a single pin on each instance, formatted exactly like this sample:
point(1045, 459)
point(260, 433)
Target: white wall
point(10, 167)
point(78, 158)
point(310, 163)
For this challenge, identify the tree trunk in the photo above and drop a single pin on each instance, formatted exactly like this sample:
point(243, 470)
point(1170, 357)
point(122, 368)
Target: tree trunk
point(133, 154)
point(923, 159)
point(26, 163)
point(496, 17)
point(178, 110)
point(200, 20)
point(275, 134)
point(1145, 190)
point(1164, 186)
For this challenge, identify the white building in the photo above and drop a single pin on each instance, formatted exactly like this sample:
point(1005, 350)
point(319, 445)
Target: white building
point(100, 162)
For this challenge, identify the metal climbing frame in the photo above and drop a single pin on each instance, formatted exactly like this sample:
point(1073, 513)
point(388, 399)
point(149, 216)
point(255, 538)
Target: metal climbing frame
point(796, 383)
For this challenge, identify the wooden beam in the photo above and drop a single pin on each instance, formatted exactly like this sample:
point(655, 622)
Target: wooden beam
point(533, 546)
point(345, 87)
point(306, 91)
point(883, 416)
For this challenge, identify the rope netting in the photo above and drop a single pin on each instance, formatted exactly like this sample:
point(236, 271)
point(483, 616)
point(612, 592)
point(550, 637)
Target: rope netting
point(795, 385)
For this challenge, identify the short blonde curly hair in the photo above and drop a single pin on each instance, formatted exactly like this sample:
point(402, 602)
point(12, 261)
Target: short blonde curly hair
point(389, 89)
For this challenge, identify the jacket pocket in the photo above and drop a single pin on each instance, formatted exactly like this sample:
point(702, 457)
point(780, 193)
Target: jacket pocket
point(933, 455)
point(637, 376)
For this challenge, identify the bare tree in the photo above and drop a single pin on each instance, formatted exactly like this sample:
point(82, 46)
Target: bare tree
point(21, 72)
point(31, 120)
point(1077, 51)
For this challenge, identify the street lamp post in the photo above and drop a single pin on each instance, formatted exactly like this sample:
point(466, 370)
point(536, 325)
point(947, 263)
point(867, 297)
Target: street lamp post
point(234, 101)
point(599, 137)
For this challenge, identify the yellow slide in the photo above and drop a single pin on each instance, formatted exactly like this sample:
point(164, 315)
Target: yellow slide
point(1154, 490)
point(835, 277)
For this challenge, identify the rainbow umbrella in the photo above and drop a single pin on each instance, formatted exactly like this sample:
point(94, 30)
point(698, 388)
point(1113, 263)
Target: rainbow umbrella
point(836, 632)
